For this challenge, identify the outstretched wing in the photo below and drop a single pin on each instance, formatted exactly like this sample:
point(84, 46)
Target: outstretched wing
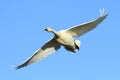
point(46, 50)
point(81, 29)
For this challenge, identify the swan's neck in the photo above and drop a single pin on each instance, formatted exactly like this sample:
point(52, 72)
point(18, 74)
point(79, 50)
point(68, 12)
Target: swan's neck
point(55, 33)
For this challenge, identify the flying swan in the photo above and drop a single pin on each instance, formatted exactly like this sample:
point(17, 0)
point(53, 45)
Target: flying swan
point(64, 38)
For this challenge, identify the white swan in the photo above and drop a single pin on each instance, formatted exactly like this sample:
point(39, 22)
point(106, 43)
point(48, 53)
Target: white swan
point(64, 38)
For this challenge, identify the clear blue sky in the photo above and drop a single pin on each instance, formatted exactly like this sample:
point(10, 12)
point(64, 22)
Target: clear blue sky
point(22, 24)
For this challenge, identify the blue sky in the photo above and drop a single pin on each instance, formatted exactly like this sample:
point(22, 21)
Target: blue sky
point(22, 24)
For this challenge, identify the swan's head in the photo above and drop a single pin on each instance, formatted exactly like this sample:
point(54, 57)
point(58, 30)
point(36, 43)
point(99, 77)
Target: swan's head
point(49, 29)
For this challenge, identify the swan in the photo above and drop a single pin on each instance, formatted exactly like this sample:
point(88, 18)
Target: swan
point(64, 38)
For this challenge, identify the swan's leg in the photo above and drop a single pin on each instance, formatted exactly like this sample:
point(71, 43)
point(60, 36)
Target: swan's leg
point(77, 44)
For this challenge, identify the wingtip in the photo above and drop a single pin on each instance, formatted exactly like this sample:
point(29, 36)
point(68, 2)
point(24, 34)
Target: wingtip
point(19, 66)
point(16, 68)
point(102, 12)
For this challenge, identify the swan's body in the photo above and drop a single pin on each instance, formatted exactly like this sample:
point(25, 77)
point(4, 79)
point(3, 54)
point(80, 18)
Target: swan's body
point(64, 38)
